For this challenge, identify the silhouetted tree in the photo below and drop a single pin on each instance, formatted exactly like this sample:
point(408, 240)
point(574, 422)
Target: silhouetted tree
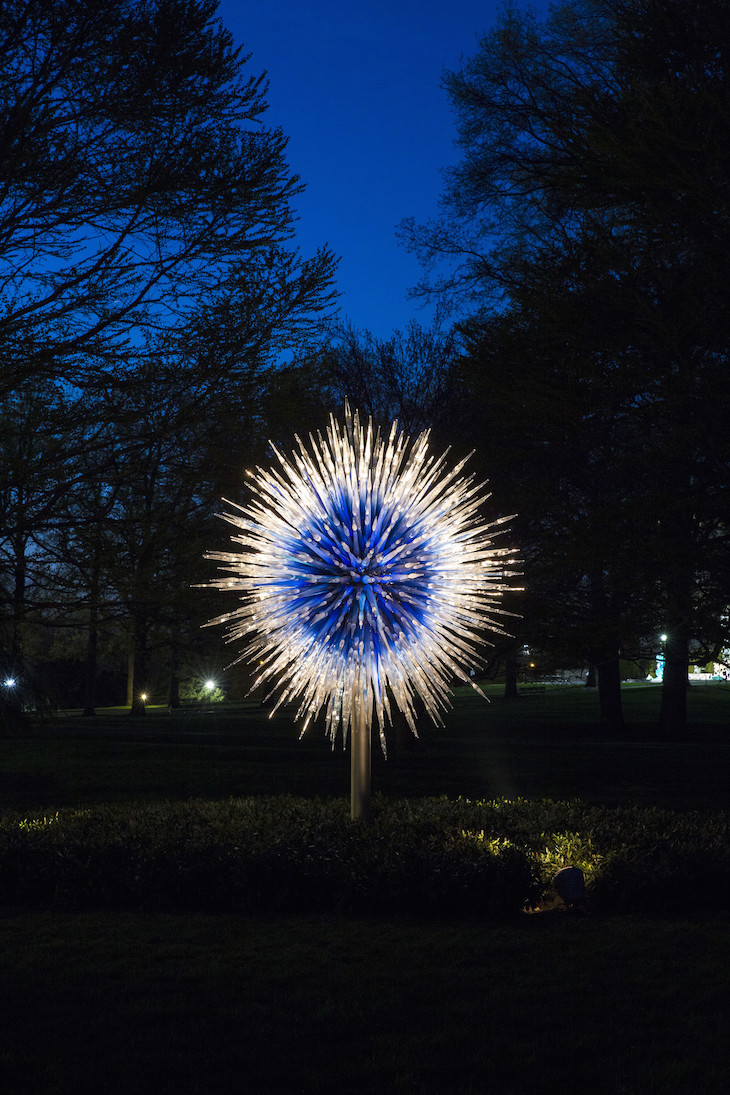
point(147, 283)
point(409, 376)
point(591, 206)
point(136, 177)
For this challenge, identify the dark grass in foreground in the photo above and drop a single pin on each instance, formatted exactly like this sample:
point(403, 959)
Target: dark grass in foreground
point(119, 1003)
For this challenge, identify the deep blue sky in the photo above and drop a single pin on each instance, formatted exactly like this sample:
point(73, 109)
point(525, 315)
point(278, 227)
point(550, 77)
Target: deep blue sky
point(356, 86)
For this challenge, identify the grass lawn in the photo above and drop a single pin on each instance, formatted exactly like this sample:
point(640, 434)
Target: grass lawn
point(120, 1002)
point(544, 744)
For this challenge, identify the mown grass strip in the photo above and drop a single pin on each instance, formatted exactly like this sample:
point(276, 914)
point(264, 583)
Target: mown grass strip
point(123, 1003)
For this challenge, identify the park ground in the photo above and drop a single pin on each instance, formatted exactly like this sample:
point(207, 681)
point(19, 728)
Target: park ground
point(119, 1000)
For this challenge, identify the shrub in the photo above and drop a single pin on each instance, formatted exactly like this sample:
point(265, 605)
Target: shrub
point(431, 857)
point(256, 855)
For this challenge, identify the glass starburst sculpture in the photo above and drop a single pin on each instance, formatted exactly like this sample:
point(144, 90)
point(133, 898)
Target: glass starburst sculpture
point(367, 577)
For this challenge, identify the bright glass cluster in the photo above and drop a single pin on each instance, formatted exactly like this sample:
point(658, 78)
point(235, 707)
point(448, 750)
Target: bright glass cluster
point(367, 576)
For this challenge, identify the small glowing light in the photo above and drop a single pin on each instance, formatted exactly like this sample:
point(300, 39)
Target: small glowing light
point(367, 576)
point(210, 686)
point(663, 638)
point(10, 682)
point(143, 697)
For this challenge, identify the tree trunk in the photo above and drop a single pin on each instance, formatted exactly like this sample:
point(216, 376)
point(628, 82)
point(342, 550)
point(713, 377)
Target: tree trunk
point(92, 641)
point(140, 670)
point(678, 611)
point(511, 667)
point(90, 667)
point(673, 711)
point(138, 703)
point(130, 678)
point(609, 693)
point(17, 642)
point(173, 696)
point(591, 678)
point(11, 707)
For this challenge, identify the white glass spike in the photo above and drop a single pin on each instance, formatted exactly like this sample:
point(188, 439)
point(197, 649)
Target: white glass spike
point(367, 576)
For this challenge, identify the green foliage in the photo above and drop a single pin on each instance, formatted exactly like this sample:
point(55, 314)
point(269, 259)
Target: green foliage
point(282, 855)
point(200, 692)
point(432, 858)
point(635, 859)
point(570, 850)
point(33, 824)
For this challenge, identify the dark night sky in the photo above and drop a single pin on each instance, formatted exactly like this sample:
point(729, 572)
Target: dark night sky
point(356, 86)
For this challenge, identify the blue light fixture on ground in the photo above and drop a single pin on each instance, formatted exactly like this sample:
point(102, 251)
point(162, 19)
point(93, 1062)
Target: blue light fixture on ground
point(367, 577)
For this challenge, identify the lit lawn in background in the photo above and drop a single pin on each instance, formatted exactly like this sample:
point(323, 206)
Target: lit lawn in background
point(544, 744)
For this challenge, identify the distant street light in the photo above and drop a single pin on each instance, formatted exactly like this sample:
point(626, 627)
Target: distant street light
point(210, 686)
point(10, 682)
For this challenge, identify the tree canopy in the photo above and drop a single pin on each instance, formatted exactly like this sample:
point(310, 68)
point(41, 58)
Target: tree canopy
point(149, 283)
point(584, 232)
point(137, 178)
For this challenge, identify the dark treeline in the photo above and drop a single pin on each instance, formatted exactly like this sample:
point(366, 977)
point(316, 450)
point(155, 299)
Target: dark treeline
point(148, 286)
point(584, 242)
point(157, 326)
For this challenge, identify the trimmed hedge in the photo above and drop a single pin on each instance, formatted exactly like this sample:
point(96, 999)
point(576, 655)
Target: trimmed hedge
point(283, 855)
point(635, 859)
point(428, 857)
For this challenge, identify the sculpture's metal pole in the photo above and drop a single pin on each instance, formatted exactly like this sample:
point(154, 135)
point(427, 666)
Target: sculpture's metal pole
point(360, 766)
